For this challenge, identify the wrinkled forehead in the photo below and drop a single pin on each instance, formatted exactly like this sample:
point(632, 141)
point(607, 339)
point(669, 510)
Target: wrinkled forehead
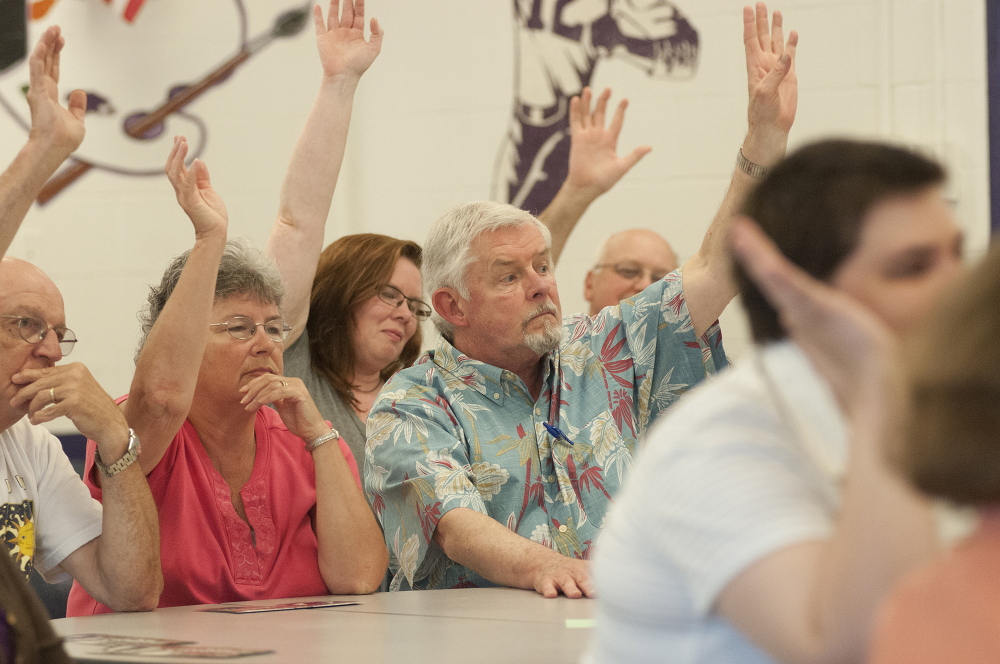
point(245, 304)
point(25, 289)
point(509, 243)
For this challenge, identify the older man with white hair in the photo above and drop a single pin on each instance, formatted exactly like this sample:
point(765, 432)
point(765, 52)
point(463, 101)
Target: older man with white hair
point(493, 461)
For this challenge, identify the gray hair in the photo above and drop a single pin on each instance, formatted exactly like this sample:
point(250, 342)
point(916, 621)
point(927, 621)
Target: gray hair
point(447, 252)
point(243, 270)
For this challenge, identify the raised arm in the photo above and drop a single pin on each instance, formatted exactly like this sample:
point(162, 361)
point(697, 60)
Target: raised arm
point(55, 133)
point(594, 164)
point(167, 368)
point(773, 96)
point(816, 601)
point(297, 237)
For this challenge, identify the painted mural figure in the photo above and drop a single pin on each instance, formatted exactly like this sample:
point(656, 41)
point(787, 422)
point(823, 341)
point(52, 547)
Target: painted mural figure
point(559, 44)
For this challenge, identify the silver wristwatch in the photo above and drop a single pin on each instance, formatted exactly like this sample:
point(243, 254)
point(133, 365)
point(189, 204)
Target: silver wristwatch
point(131, 454)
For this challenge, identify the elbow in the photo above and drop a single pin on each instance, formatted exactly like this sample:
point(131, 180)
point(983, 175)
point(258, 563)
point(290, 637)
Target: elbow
point(146, 598)
point(362, 579)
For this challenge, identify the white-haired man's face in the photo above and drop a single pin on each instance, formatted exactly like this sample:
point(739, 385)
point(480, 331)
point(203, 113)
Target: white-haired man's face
point(512, 313)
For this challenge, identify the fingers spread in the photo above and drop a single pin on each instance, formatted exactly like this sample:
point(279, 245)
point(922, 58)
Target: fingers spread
point(777, 36)
point(763, 36)
point(618, 119)
point(318, 20)
point(602, 106)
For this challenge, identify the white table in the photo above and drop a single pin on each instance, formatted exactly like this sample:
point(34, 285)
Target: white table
point(476, 625)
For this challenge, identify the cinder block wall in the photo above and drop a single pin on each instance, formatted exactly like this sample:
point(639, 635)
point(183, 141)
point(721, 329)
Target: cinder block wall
point(430, 116)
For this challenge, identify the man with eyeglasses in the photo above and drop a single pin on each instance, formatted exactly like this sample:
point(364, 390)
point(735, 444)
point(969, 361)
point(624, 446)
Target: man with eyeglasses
point(48, 521)
point(627, 263)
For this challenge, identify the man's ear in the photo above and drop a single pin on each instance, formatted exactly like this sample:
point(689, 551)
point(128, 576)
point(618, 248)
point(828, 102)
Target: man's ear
point(450, 306)
point(588, 286)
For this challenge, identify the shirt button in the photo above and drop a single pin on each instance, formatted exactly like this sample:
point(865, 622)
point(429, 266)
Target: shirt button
point(538, 411)
point(563, 528)
point(550, 478)
point(496, 395)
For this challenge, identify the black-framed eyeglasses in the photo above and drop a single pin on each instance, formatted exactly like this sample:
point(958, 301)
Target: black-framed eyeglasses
point(631, 271)
point(392, 295)
point(241, 327)
point(33, 330)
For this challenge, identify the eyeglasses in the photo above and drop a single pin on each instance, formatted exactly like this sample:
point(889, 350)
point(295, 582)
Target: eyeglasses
point(631, 271)
point(241, 327)
point(392, 295)
point(33, 330)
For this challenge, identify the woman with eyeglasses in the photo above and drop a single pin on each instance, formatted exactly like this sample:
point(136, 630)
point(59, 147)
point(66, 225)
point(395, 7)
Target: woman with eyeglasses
point(354, 307)
point(359, 325)
point(254, 502)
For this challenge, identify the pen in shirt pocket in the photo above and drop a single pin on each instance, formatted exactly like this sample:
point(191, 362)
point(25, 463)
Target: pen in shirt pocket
point(556, 432)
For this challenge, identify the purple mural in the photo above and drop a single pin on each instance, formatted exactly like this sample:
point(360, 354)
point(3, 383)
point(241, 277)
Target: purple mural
point(558, 48)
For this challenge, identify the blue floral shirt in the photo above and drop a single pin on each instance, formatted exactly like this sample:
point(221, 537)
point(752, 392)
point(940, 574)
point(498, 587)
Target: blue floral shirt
point(454, 432)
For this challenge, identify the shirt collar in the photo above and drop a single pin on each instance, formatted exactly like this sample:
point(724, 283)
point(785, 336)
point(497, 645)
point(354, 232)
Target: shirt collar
point(490, 381)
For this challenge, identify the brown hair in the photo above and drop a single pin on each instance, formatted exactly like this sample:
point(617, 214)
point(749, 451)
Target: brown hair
point(351, 270)
point(813, 205)
point(952, 448)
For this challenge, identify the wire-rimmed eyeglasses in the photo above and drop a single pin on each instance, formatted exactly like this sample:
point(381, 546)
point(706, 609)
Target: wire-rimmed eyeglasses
point(33, 330)
point(631, 271)
point(241, 327)
point(392, 295)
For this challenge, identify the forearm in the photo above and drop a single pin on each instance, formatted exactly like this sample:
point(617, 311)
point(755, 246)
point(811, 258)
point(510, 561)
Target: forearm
point(563, 213)
point(307, 191)
point(167, 368)
point(478, 542)
point(128, 550)
point(21, 182)
point(352, 553)
point(708, 282)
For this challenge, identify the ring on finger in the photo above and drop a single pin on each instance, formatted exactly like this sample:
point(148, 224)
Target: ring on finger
point(52, 395)
point(284, 384)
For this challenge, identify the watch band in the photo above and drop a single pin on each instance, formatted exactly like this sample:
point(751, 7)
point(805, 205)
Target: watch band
point(127, 459)
point(749, 167)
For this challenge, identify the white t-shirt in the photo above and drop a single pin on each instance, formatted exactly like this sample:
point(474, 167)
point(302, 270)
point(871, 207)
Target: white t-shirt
point(744, 465)
point(47, 512)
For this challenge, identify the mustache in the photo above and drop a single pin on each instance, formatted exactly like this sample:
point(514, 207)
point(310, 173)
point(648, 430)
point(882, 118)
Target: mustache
point(544, 308)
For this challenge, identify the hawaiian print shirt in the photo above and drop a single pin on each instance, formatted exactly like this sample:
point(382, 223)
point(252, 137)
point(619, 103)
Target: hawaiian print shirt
point(454, 432)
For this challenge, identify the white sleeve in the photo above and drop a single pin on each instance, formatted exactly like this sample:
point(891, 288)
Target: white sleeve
point(66, 517)
point(727, 493)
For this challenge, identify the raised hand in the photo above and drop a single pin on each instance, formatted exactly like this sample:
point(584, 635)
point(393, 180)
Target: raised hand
point(60, 127)
point(341, 41)
point(594, 164)
point(850, 347)
point(771, 81)
point(194, 191)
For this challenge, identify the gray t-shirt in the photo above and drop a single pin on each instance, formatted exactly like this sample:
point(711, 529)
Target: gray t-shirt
point(331, 406)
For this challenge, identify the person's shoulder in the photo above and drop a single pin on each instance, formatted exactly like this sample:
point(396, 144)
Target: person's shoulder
point(24, 434)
